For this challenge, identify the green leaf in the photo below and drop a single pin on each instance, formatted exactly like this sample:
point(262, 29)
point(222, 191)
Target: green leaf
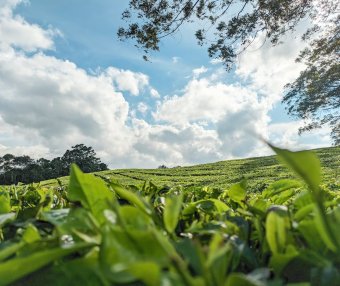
point(193, 253)
point(90, 191)
point(280, 260)
point(303, 199)
point(5, 203)
point(329, 236)
point(237, 192)
point(134, 218)
point(303, 212)
point(311, 235)
point(146, 271)
point(80, 224)
point(304, 163)
point(279, 187)
point(5, 218)
point(171, 213)
point(31, 234)
point(208, 206)
point(219, 259)
point(277, 226)
point(10, 249)
point(56, 216)
point(17, 268)
point(83, 271)
point(131, 197)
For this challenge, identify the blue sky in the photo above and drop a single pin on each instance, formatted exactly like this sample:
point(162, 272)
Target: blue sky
point(66, 79)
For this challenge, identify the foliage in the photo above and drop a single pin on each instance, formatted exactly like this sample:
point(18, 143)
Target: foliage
point(84, 157)
point(14, 169)
point(230, 26)
point(97, 233)
point(162, 167)
point(315, 94)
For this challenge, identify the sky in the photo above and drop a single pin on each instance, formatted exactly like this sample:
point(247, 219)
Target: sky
point(66, 79)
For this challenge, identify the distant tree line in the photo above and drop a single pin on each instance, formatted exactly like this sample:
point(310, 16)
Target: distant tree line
point(15, 169)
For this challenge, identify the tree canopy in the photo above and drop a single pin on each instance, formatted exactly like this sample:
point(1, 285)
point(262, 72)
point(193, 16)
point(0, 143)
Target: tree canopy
point(229, 28)
point(14, 169)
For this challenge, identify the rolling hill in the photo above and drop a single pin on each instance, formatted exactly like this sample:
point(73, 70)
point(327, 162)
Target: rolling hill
point(258, 171)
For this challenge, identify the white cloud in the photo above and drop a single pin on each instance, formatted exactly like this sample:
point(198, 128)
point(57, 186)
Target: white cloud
point(142, 108)
point(48, 105)
point(205, 100)
point(16, 32)
point(174, 145)
point(285, 134)
point(234, 113)
point(268, 68)
point(59, 101)
point(127, 80)
point(51, 104)
point(154, 93)
point(197, 72)
point(35, 151)
point(216, 61)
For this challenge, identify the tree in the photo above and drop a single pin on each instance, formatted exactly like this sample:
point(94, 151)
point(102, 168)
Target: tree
point(162, 167)
point(84, 157)
point(315, 95)
point(230, 26)
point(14, 169)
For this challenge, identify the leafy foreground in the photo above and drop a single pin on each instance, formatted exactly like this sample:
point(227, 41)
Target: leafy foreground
point(101, 233)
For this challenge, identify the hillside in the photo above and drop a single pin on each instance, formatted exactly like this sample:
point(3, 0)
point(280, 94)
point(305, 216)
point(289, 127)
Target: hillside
point(92, 233)
point(258, 171)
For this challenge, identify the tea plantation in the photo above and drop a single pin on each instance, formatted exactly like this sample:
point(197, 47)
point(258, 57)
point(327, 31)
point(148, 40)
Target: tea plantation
point(246, 222)
point(259, 172)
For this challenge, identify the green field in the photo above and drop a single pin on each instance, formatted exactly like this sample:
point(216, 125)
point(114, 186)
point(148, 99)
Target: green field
point(211, 228)
point(259, 172)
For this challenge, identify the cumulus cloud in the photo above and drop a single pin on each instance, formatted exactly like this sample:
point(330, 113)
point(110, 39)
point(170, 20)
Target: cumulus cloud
point(268, 69)
point(16, 32)
point(57, 100)
point(48, 104)
point(235, 114)
point(285, 134)
point(173, 145)
point(126, 80)
point(55, 104)
point(197, 72)
point(205, 100)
